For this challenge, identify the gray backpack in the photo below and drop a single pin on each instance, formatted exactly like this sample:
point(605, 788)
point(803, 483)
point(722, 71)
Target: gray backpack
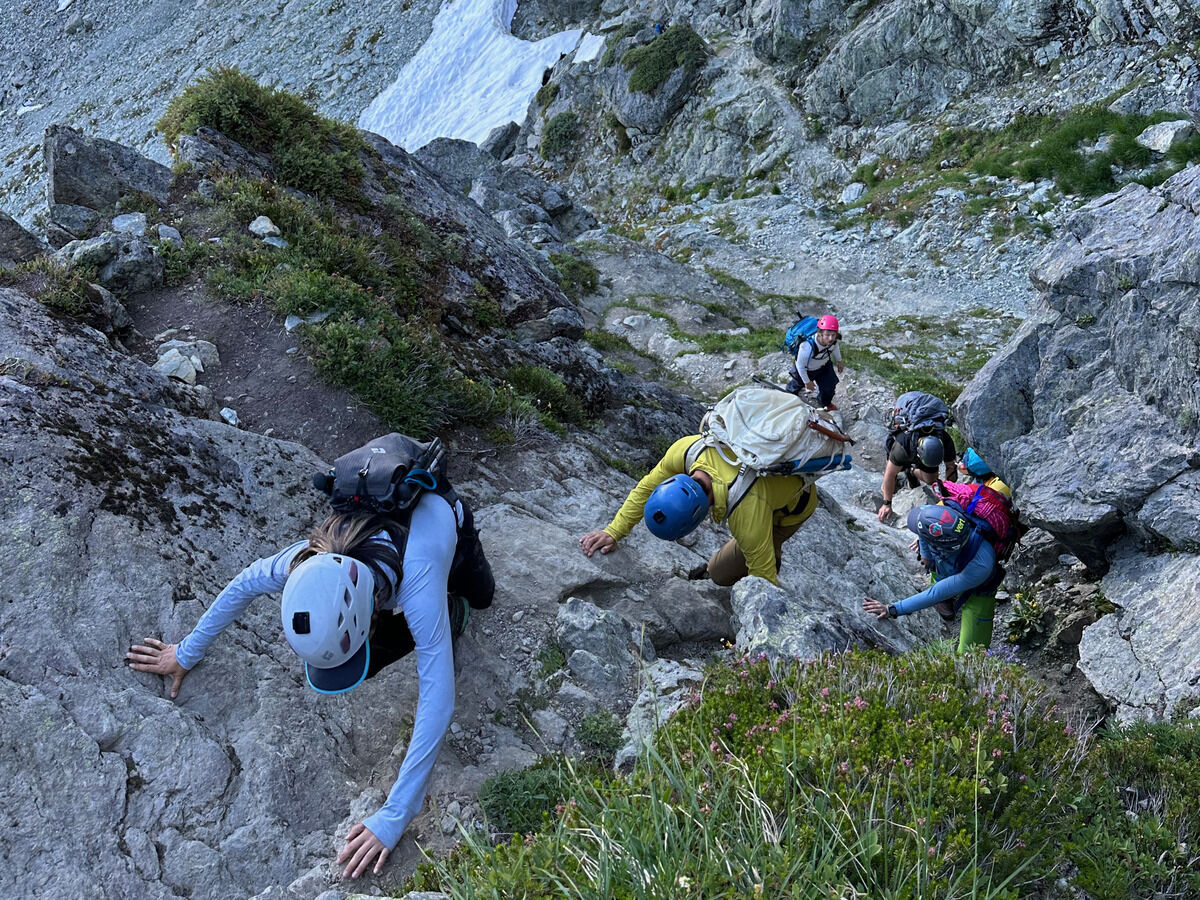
point(919, 412)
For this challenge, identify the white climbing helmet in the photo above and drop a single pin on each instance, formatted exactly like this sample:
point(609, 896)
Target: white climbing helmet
point(327, 605)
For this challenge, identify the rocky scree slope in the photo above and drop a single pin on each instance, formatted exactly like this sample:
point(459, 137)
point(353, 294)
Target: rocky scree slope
point(107, 68)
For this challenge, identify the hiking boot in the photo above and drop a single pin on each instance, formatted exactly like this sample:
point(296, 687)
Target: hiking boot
point(460, 612)
point(945, 610)
point(698, 572)
point(832, 407)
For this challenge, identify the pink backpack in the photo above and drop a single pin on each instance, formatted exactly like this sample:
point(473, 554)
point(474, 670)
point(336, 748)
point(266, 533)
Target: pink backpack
point(987, 507)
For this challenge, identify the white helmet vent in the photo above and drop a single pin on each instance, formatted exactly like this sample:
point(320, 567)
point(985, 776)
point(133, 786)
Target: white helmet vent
point(336, 593)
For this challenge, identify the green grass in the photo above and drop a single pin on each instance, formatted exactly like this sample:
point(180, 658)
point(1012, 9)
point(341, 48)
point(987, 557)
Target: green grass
point(903, 377)
point(1029, 148)
point(577, 276)
point(65, 291)
point(758, 341)
point(312, 153)
point(547, 393)
point(854, 775)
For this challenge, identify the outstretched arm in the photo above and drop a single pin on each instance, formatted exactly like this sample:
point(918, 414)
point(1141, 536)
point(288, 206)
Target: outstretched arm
point(630, 513)
point(176, 660)
point(427, 559)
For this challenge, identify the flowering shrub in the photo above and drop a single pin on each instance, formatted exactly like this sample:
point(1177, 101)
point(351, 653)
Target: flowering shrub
point(862, 775)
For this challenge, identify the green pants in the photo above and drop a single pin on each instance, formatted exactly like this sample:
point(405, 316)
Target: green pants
point(977, 615)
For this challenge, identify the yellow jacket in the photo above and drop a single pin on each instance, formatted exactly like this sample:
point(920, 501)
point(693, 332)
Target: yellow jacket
point(772, 500)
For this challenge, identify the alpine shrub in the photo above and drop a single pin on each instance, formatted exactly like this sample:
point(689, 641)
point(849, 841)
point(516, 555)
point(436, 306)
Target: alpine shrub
point(311, 153)
point(559, 136)
point(652, 64)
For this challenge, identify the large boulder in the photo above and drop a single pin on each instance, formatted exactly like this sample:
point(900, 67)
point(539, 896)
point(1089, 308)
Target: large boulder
point(1092, 414)
point(913, 58)
point(96, 173)
point(1093, 407)
point(1145, 658)
point(17, 244)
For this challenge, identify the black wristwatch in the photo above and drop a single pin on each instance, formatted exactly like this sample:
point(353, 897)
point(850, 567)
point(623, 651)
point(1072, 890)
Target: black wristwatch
point(892, 613)
point(887, 502)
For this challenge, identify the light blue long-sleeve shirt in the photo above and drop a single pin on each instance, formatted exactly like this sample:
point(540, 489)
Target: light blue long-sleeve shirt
point(422, 599)
point(950, 583)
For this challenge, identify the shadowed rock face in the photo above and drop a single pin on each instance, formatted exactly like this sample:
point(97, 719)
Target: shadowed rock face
point(1091, 409)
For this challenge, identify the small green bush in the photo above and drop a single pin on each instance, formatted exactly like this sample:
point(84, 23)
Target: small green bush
point(551, 659)
point(559, 137)
point(576, 276)
point(547, 392)
point(546, 94)
point(520, 801)
point(652, 64)
point(607, 342)
point(629, 29)
point(311, 153)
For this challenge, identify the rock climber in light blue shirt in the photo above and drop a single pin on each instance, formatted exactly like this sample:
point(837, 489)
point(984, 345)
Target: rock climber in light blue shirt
point(345, 616)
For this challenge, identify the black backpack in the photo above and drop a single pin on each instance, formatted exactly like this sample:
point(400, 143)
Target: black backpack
point(386, 475)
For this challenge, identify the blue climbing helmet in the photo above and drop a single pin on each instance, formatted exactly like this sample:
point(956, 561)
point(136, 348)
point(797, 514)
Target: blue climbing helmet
point(975, 465)
point(676, 507)
point(942, 527)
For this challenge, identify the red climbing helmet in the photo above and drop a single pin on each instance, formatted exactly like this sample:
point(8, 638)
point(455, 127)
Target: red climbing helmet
point(827, 323)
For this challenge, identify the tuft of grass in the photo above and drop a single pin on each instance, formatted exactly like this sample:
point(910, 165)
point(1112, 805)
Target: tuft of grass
point(600, 732)
point(547, 393)
point(311, 153)
point(577, 276)
point(550, 659)
point(903, 377)
point(546, 94)
point(678, 47)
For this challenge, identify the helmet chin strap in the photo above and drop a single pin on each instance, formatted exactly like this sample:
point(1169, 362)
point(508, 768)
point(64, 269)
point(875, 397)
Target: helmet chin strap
point(703, 479)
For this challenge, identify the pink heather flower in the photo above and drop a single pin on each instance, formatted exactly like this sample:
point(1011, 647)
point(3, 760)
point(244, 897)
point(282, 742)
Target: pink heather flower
point(824, 692)
point(1022, 777)
point(845, 766)
point(909, 763)
point(824, 707)
point(997, 753)
point(772, 705)
point(932, 850)
point(861, 703)
point(733, 717)
point(713, 747)
point(1020, 844)
point(1007, 728)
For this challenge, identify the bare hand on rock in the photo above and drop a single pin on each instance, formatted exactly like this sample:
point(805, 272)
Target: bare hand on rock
point(158, 658)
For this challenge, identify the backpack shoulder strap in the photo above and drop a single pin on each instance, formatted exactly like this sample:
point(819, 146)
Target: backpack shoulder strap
point(693, 453)
point(740, 487)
